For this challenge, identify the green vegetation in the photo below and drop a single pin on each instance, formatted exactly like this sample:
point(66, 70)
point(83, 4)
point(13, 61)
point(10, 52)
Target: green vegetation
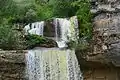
point(26, 11)
point(84, 16)
point(10, 39)
point(85, 24)
point(35, 40)
point(63, 8)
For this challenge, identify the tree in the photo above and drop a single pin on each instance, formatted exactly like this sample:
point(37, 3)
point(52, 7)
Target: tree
point(84, 16)
point(9, 38)
point(7, 9)
point(63, 8)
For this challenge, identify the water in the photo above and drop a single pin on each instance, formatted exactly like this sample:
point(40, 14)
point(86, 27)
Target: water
point(52, 64)
point(66, 30)
point(35, 28)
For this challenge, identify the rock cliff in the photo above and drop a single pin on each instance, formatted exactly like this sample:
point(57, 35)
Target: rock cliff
point(12, 65)
point(106, 32)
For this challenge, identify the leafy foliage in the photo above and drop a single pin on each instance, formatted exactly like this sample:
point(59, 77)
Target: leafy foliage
point(27, 11)
point(63, 8)
point(39, 41)
point(34, 39)
point(7, 9)
point(55, 8)
point(44, 11)
point(82, 45)
point(84, 16)
point(9, 38)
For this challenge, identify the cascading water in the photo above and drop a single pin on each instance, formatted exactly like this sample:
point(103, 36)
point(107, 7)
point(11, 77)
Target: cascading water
point(55, 63)
point(35, 28)
point(66, 30)
point(52, 64)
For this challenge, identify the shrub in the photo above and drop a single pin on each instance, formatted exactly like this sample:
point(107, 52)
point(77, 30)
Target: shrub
point(9, 38)
point(31, 15)
point(84, 16)
point(82, 45)
point(44, 10)
point(63, 8)
point(33, 40)
point(85, 25)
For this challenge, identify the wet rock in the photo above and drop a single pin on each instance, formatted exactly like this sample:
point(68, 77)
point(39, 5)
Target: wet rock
point(49, 29)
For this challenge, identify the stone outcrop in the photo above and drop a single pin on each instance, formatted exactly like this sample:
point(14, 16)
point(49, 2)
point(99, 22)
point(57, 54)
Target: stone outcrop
point(106, 32)
point(110, 6)
point(102, 74)
point(12, 65)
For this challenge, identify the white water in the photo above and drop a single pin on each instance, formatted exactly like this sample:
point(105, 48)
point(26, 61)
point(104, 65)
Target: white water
point(66, 30)
point(35, 28)
point(52, 64)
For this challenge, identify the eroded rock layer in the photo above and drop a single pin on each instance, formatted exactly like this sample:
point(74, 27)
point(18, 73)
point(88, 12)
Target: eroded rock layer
point(106, 32)
point(12, 65)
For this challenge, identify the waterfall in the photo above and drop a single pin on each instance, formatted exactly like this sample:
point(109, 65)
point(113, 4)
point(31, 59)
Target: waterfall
point(66, 30)
point(35, 28)
point(54, 63)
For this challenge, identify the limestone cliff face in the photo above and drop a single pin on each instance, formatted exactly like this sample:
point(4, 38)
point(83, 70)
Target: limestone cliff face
point(106, 31)
point(105, 6)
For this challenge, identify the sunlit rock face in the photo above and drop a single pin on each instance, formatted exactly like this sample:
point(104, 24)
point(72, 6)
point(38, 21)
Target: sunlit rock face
point(106, 31)
point(52, 64)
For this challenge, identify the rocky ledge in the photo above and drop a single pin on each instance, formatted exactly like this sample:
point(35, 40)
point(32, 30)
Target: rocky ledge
point(12, 65)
